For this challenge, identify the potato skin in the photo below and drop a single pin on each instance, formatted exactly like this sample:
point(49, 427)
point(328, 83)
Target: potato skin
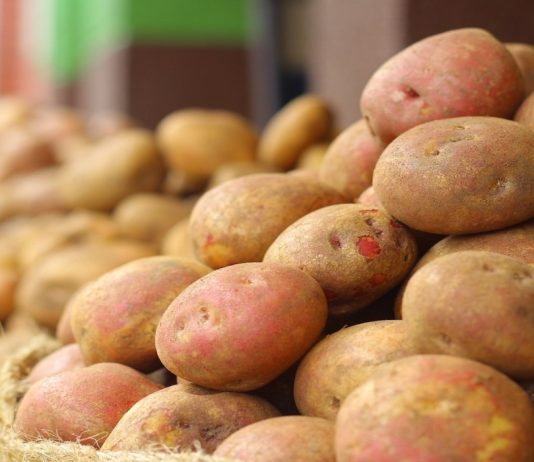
point(363, 252)
point(66, 358)
point(525, 113)
point(350, 160)
point(304, 121)
point(479, 294)
point(343, 361)
point(83, 404)
point(249, 322)
point(281, 439)
point(478, 169)
point(181, 415)
point(224, 215)
point(463, 72)
point(435, 408)
point(64, 331)
point(523, 54)
point(114, 318)
point(178, 242)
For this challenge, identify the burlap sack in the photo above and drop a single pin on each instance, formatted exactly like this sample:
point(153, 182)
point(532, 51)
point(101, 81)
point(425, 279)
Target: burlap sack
point(13, 449)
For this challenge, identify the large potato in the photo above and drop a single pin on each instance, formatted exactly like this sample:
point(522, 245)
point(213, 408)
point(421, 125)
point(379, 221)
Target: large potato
point(435, 408)
point(237, 221)
point(114, 318)
point(303, 122)
point(350, 160)
point(116, 167)
point(464, 72)
point(458, 176)
point(355, 253)
point(199, 141)
point(457, 303)
point(281, 439)
point(343, 361)
point(182, 416)
point(239, 327)
point(524, 57)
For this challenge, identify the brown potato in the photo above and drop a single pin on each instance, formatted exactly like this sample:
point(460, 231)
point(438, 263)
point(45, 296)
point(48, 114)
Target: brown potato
point(312, 157)
point(178, 241)
point(72, 147)
point(66, 358)
point(114, 318)
point(435, 408)
point(281, 439)
point(9, 279)
point(525, 113)
point(456, 303)
point(524, 57)
point(232, 170)
point(181, 416)
point(301, 123)
point(200, 141)
point(180, 183)
point(237, 221)
point(478, 169)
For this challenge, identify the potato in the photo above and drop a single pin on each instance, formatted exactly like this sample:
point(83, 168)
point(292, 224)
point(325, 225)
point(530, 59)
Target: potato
point(182, 416)
point(456, 303)
point(232, 170)
point(355, 253)
point(525, 113)
point(350, 160)
point(198, 141)
point(53, 123)
point(281, 439)
point(66, 358)
point(369, 198)
point(312, 157)
point(114, 318)
point(343, 361)
point(301, 123)
point(9, 279)
point(72, 147)
point(178, 241)
point(148, 216)
point(64, 332)
point(81, 405)
point(180, 183)
point(524, 57)
point(237, 221)
point(14, 111)
point(435, 408)
point(116, 167)
point(44, 289)
point(108, 123)
point(248, 322)
point(463, 72)
point(479, 170)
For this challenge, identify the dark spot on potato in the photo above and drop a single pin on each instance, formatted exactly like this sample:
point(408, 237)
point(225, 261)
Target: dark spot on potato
point(372, 223)
point(329, 294)
point(499, 185)
point(433, 152)
point(377, 279)
point(209, 240)
point(411, 93)
point(366, 211)
point(395, 223)
point(210, 433)
point(521, 276)
point(459, 127)
point(204, 315)
point(335, 402)
point(368, 247)
point(488, 268)
point(444, 339)
point(245, 280)
point(405, 258)
point(522, 311)
point(334, 240)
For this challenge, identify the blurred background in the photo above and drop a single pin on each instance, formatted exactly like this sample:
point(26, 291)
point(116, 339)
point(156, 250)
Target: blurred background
point(149, 57)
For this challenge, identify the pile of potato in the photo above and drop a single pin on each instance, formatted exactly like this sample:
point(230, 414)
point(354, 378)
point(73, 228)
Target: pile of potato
point(211, 286)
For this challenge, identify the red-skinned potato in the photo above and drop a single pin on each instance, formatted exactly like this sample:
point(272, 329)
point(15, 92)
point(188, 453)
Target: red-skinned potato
point(66, 358)
point(435, 408)
point(281, 439)
point(463, 72)
point(248, 322)
point(64, 331)
point(523, 54)
point(525, 113)
point(81, 405)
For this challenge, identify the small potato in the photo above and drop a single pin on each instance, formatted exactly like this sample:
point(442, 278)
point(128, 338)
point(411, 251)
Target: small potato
point(180, 183)
point(301, 123)
point(312, 157)
point(435, 408)
point(64, 331)
point(148, 216)
point(237, 221)
point(66, 358)
point(369, 198)
point(108, 123)
point(178, 241)
point(114, 318)
point(524, 57)
point(200, 141)
point(479, 170)
point(232, 170)
point(456, 304)
point(281, 439)
point(9, 279)
point(525, 113)
point(81, 405)
point(248, 323)
point(116, 167)
point(45, 289)
point(463, 72)
point(321, 388)
point(350, 160)
point(355, 253)
point(181, 416)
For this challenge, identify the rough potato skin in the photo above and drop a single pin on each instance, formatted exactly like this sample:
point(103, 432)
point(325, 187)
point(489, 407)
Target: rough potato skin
point(81, 405)
point(248, 323)
point(524, 57)
point(343, 361)
point(480, 170)
point(114, 318)
point(304, 121)
point(350, 160)
point(456, 304)
point(433, 408)
point(181, 415)
point(237, 221)
point(525, 113)
point(281, 439)
point(66, 358)
point(463, 72)
point(354, 252)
